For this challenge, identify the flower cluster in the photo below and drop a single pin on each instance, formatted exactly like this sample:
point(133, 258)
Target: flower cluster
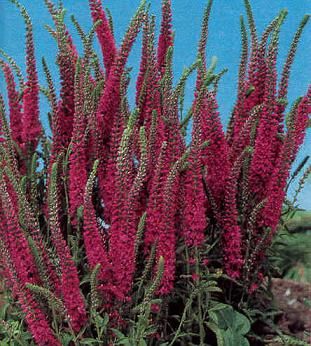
point(121, 189)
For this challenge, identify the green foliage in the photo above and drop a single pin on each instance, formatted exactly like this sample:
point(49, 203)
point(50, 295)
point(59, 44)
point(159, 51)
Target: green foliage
point(12, 327)
point(290, 252)
point(291, 255)
point(12, 333)
point(230, 326)
point(290, 341)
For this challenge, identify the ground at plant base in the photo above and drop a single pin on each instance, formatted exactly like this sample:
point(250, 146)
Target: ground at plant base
point(294, 301)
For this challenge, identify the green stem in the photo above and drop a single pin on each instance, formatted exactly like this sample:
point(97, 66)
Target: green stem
point(201, 322)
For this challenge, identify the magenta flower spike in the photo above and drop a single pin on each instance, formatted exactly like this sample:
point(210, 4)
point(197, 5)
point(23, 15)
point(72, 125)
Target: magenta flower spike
point(16, 241)
point(232, 234)
point(94, 240)
point(14, 104)
point(77, 157)
point(70, 284)
point(195, 200)
point(155, 202)
point(166, 35)
point(104, 34)
point(31, 130)
point(215, 155)
point(35, 318)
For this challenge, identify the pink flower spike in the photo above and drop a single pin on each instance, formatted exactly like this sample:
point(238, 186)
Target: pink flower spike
point(104, 34)
point(14, 104)
point(31, 122)
point(166, 35)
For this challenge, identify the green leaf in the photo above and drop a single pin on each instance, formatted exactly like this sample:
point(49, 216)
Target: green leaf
point(228, 337)
point(290, 340)
point(3, 310)
point(213, 289)
point(125, 341)
point(102, 321)
point(89, 341)
point(243, 341)
point(121, 338)
point(218, 306)
point(225, 318)
point(5, 342)
point(232, 339)
point(66, 339)
point(213, 316)
point(142, 342)
point(218, 332)
point(241, 323)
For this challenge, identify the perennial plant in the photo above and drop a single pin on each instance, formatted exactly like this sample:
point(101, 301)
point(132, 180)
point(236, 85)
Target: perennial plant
point(122, 209)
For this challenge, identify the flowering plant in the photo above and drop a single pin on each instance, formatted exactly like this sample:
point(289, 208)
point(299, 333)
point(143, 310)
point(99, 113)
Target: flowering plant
point(112, 217)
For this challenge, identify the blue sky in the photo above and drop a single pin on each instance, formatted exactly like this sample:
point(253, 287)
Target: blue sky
point(224, 42)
